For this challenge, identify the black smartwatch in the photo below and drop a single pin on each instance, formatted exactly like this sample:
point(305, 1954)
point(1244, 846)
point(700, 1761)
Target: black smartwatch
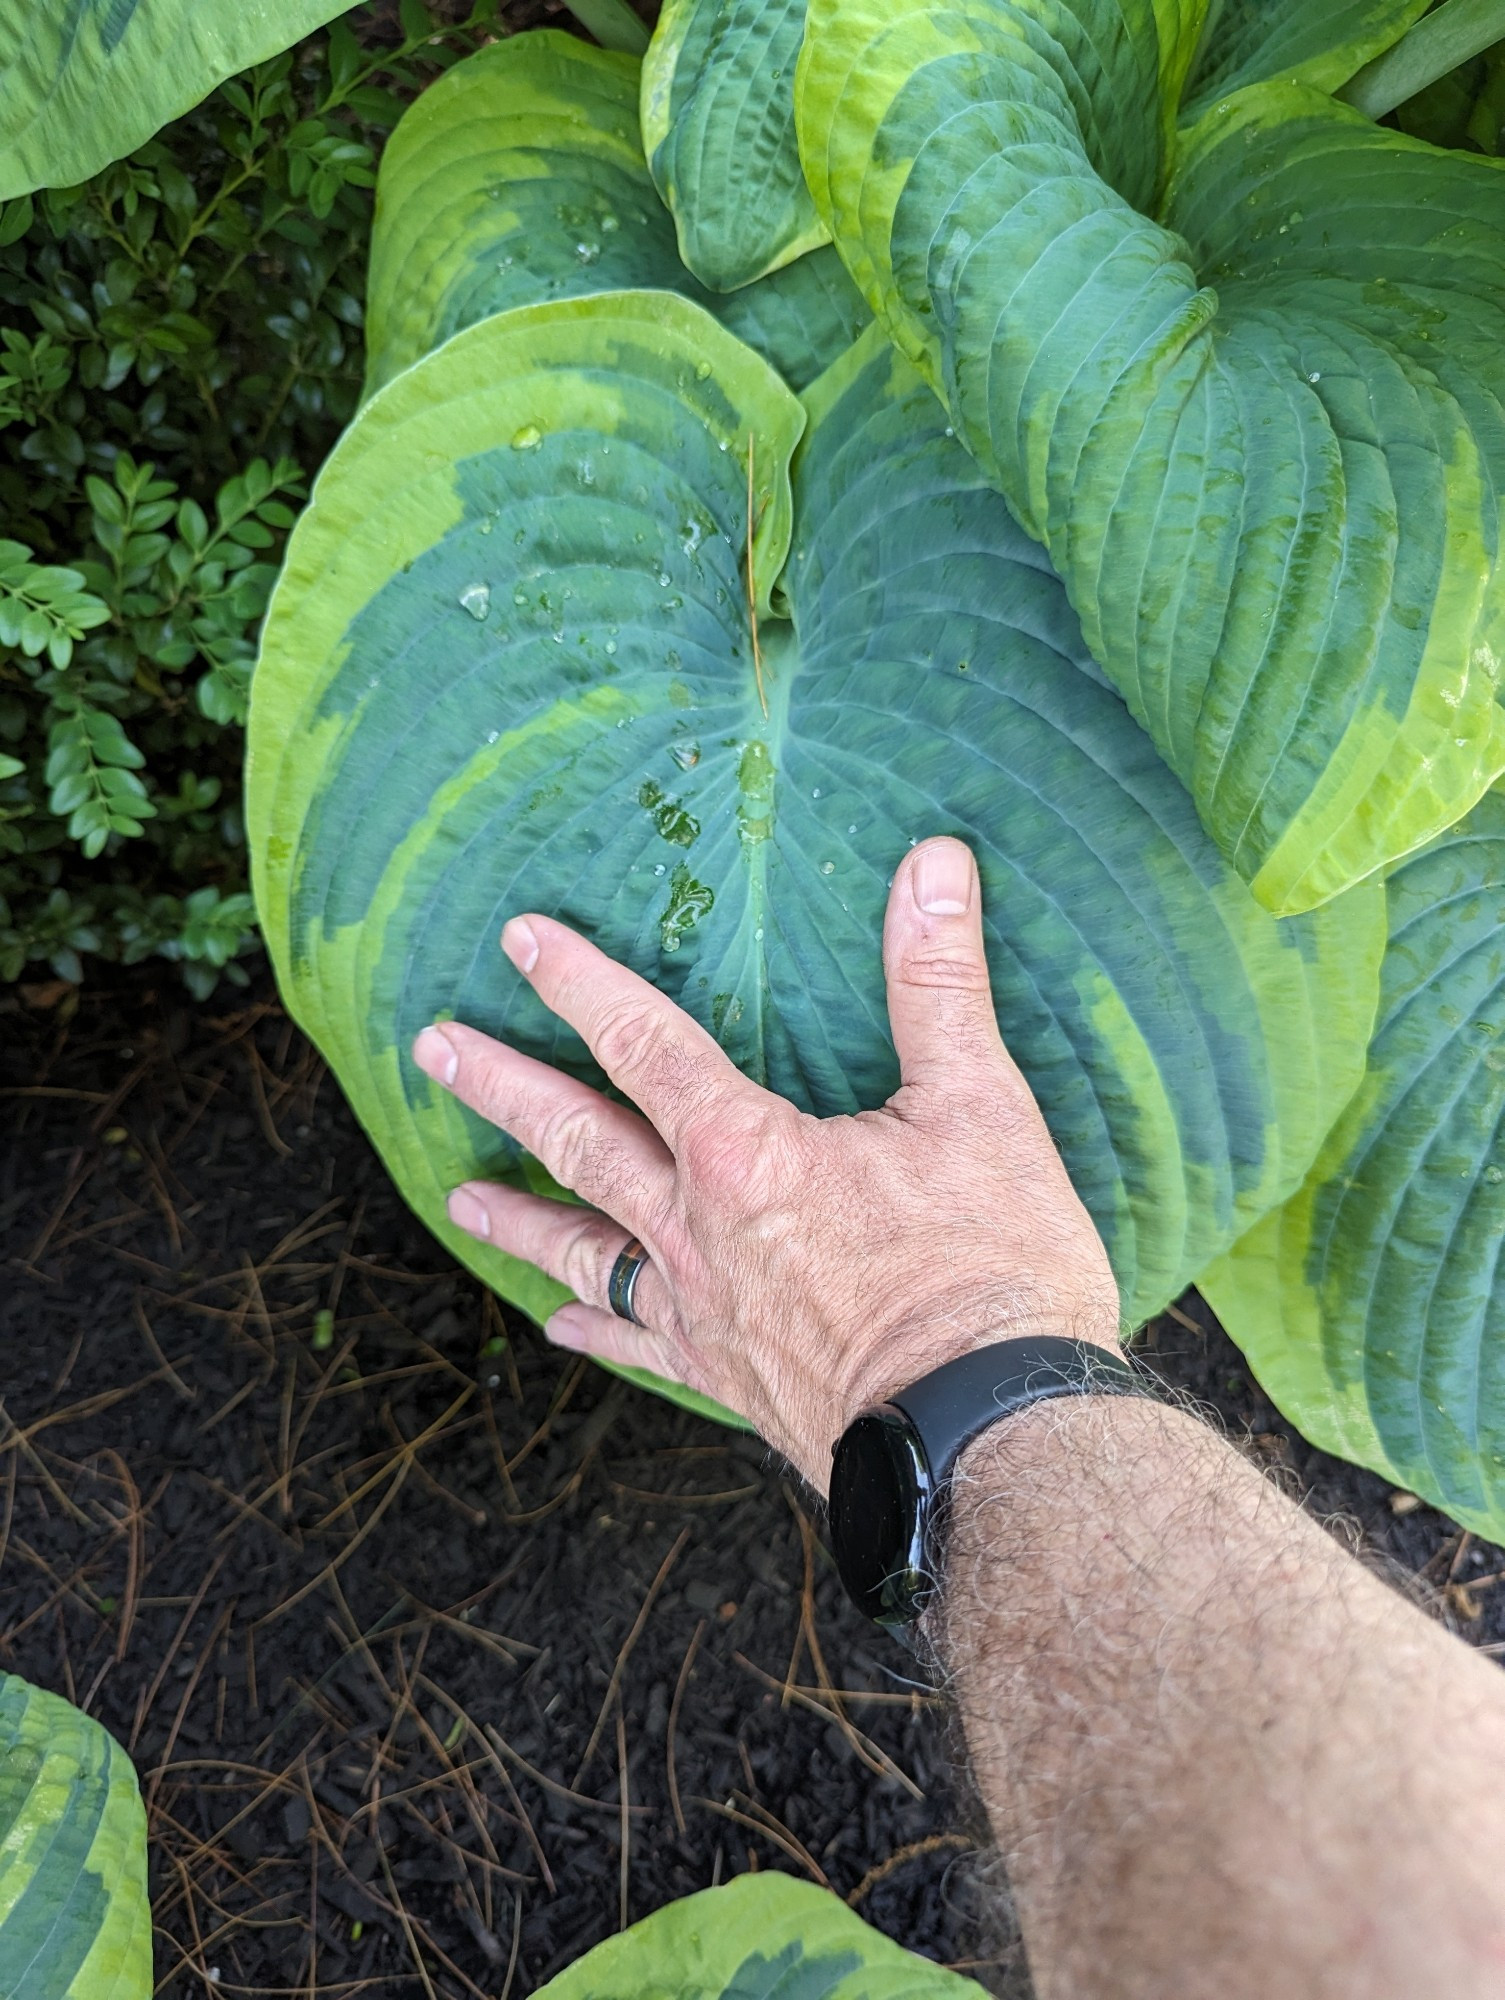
point(892, 1465)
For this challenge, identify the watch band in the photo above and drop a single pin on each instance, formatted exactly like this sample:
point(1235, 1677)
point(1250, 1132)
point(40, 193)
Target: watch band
point(892, 1466)
point(956, 1402)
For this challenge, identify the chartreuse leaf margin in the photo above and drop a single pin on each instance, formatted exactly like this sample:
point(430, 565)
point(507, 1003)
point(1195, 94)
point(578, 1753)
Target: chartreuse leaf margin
point(510, 665)
point(75, 1923)
point(519, 177)
point(83, 82)
point(1369, 1304)
point(718, 129)
point(761, 1937)
point(1243, 380)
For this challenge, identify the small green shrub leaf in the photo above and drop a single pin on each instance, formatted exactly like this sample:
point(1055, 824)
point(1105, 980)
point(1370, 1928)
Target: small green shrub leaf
point(519, 177)
point(760, 1937)
point(718, 129)
point(1368, 1305)
point(84, 82)
point(75, 1923)
point(509, 665)
point(1245, 384)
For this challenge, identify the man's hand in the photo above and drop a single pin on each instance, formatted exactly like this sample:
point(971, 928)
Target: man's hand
point(801, 1267)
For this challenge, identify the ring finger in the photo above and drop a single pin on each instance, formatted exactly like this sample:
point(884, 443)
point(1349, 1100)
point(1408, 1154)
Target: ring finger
point(576, 1245)
point(603, 1151)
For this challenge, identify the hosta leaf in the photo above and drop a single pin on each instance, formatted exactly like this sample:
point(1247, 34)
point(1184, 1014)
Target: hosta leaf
point(1260, 435)
point(1252, 41)
point(1369, 1304)
point(509, 666)
point(800, 318)
point(83, 82)
point(760, 1937)
point(518, 177)
point(74, 1919)
point(718, 129)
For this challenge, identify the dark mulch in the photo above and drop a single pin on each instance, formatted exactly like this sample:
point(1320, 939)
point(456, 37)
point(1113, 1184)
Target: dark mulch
point(441, 1655)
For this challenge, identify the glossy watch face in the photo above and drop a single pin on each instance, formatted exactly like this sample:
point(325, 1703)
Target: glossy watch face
point(880, 1488)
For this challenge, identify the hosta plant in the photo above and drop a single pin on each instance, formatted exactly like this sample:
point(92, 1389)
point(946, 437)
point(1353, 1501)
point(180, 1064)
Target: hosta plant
point(1234, 353)
point(74, 1919)
point(592, 613)
point(760, 1937)
point(1370, 1303)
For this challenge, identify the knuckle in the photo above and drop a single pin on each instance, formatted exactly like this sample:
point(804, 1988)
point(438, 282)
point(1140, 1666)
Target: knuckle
point(581, 1260)
point(942, 965)
point(568, 1143)
point(628, 1037)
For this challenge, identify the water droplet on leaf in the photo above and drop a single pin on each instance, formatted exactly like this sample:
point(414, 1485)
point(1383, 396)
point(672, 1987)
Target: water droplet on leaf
point(527, 439)
point(476, 598)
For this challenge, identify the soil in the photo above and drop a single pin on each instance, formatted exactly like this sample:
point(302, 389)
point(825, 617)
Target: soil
point(441, 1655)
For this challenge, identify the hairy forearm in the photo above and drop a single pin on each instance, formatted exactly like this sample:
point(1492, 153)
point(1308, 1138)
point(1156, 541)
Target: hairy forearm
point(1218, 1756)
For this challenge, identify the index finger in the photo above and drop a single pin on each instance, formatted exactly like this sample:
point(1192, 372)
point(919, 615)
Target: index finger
point(665, 1062)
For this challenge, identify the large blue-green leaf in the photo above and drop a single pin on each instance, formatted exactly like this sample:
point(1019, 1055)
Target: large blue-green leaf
point(1255, 415)
point(510, 666)
point(718, 129)
point(1370, 1304)
point(83, 82)
point(75, 1923)
point(760, 1937)
point(1252, 41)
point(518, 177)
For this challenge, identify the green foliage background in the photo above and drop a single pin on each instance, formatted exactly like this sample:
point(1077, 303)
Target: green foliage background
point(179, 346)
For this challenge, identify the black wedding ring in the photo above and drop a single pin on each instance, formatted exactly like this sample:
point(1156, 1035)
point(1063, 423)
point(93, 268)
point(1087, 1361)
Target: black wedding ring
point(623, 1282)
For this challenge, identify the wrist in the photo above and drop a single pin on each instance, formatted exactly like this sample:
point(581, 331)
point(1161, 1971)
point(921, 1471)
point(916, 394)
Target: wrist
point(915, 1349)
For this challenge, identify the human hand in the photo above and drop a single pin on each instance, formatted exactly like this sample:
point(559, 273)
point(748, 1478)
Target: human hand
point(802, 1268)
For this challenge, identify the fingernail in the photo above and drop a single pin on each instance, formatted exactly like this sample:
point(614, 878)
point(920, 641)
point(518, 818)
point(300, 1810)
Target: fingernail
point(569, 1327)
point(468, 1212)
point(436, 1055)
point(520, 942)
point(942, 880)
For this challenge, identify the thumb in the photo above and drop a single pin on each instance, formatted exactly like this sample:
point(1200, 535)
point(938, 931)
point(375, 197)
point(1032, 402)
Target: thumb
point(940, 1003)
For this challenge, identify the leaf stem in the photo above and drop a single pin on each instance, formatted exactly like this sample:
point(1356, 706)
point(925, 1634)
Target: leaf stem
point(1438, 43)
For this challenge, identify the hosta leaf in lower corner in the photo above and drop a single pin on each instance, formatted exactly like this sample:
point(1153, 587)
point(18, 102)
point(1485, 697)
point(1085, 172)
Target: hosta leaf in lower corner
point(509, 666)
point(1251, 41)
point(74, 1919)
point(718, 129)
point(1252, 406)
point(761, 1937)
point(84, 82)
point(1370, 1305)
point(518, 177)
